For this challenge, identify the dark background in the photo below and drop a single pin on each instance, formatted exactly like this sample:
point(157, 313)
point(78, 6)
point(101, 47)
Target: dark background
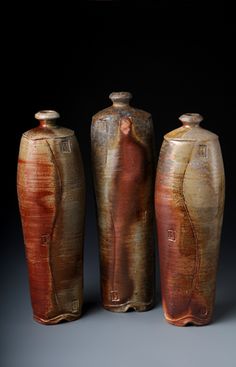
point(172, 59)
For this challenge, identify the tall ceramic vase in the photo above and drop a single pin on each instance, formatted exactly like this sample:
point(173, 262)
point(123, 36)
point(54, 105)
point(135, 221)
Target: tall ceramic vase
point(189, 198)
point(51, 193)
point(123, 164)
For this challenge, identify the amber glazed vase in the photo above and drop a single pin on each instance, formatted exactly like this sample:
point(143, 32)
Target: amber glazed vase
point(189, 200)
point(123, 164)
point(51, 194)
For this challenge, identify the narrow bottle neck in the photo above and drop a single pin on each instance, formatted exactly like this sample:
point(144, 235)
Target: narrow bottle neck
point(120, 99)
point(120, 104)
point(191, 124)
point(50, 124)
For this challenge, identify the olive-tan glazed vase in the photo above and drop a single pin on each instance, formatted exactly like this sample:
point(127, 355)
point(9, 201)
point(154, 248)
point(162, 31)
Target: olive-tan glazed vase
point(189, 202)
point(123, 163)
point(51, 194)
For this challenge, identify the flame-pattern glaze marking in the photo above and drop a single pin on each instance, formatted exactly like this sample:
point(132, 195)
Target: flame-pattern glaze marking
point(123, 162)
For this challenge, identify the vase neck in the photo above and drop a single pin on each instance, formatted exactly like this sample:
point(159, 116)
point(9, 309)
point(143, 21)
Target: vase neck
point(120, 99)
point(47, 118)
point(191, 119)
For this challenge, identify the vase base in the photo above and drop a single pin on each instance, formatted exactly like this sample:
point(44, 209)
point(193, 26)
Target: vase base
point(188, 321)
point(138, 307)
point(57, 319)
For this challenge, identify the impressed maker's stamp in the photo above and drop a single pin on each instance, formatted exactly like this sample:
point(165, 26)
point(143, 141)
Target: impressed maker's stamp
point(202, 150)
point(115, 296)
point(171, 235)
point(75, 306)
point(65, 146)
point(45, 239)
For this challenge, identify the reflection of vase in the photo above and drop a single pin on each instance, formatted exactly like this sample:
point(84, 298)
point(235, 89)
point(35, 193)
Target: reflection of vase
point(189, 211)
point(123, 162)
point(51, 193)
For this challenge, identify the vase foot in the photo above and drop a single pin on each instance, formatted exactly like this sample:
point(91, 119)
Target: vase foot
point(57, 319)
point(138, 307)
point(188, 321)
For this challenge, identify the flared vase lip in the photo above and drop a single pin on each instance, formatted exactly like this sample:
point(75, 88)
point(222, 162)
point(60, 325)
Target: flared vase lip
point(47, 115)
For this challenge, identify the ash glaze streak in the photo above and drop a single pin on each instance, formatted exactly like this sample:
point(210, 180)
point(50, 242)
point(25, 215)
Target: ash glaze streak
point(50, 186)
point(58, 206)
point(189, 200)
point(123, 161)
point(195, 237)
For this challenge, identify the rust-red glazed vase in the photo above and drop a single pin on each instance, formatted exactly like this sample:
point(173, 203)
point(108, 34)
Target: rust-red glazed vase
point(189, 200)
point(123, 164)
point(51, 194)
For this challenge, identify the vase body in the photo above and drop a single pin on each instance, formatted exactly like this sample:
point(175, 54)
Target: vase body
point(123, 164)
point(189, 202)
point(51, 194)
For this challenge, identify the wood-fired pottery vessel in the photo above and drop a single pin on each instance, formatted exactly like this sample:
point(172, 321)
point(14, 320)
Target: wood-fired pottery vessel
point(189, 200)
point(123, 163)
point(51, 193)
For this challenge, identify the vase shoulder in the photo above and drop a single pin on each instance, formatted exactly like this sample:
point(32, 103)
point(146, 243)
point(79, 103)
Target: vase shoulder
point(184, 133)
point(48, 133)
point(113, 113)
point(191, 130)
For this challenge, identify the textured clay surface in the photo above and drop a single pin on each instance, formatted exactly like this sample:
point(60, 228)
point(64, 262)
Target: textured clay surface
point(123, 162)
point(189, 200)
point(51, 193)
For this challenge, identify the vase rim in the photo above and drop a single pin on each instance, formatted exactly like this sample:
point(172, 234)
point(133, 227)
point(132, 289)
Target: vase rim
point(47, 115)
point(191, 118)
point(120, 96)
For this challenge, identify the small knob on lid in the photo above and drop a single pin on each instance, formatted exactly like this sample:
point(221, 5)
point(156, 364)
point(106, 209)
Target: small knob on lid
point(120, 99)
point(191, 119)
